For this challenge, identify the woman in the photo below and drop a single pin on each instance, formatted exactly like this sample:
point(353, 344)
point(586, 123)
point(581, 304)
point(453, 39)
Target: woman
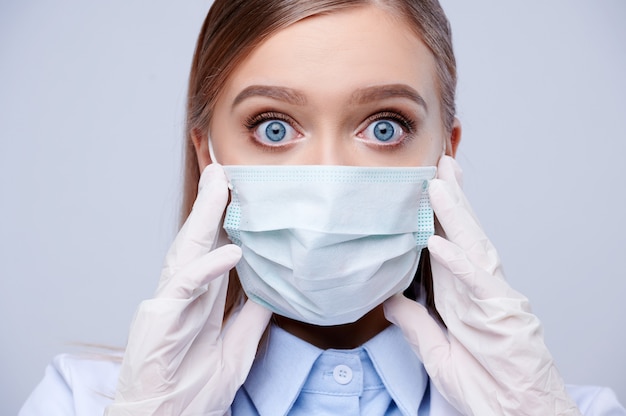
point(329, 118)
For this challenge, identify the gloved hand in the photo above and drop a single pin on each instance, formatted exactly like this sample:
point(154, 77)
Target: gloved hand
point(179, 360)
point(492, 360)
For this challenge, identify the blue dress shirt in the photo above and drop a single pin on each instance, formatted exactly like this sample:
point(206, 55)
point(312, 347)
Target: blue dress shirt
point(290, 376)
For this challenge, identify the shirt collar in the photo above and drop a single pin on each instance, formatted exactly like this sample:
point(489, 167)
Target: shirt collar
point(287, 360)
point(399, 368)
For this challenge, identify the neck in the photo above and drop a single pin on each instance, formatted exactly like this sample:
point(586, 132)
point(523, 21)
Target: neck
point(346, 336)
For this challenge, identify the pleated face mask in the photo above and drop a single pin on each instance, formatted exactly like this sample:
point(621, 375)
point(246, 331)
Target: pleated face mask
point(326, 244)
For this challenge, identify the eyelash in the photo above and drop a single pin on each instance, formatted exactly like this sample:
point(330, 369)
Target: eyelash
point(407, 123)
point(253, 121)
point(394, 115)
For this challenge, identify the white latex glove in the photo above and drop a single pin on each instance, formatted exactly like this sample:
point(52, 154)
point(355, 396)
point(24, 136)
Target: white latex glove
point(178, 360)
point(492, 360)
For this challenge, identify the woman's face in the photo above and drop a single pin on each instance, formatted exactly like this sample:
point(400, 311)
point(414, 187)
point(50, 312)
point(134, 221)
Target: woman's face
point(355, 87)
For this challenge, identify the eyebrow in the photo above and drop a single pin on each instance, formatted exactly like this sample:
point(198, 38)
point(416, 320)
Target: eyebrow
point(361, 96)
point(381, 92)
point(287, 95)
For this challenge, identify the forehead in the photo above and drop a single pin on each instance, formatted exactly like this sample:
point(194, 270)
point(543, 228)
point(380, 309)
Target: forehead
point(338, 52)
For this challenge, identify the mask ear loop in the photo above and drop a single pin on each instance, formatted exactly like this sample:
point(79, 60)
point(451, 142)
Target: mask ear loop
point(211, 151)
point(214, 159)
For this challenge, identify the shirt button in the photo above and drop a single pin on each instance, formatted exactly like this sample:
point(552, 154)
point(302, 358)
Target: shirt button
point(342, 374)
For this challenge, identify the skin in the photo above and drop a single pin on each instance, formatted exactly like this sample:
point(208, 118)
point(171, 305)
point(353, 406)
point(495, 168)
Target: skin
point(329, 80)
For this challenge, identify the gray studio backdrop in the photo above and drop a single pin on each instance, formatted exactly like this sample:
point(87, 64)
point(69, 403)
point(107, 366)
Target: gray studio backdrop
point(91, 119)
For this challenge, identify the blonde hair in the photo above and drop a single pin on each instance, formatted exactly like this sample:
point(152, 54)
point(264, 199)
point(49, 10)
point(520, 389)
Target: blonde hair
point(233, 28)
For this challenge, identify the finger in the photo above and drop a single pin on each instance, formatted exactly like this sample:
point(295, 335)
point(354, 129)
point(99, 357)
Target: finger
point(447, 199)
point(450, 171)
point(461, 227)
point(201, 230)
point(242, 339)
point(421, 331)
point(480, 283)
point(191, 279)
point(205, 288)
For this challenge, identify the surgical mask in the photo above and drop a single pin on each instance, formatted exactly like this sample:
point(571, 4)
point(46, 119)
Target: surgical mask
point(326, 244)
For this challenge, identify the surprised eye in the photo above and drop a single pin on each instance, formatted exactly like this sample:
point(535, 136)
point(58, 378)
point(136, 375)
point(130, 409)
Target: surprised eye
point(273, 132)
point(383, 131)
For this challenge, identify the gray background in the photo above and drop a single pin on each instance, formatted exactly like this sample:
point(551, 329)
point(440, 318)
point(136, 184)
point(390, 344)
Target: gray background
point(91, 108)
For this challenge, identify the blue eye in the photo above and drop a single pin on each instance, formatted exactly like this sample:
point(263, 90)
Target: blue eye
point(383, 131)
point(386, 131)
point(274, 132)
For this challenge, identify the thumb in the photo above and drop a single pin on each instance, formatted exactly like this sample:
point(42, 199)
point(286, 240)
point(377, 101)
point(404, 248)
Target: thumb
point(421, 331)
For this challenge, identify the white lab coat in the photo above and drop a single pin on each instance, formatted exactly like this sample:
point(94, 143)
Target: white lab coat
point(84, 386)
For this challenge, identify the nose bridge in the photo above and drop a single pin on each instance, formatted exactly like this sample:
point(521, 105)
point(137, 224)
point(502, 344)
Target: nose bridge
point(330, 147)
